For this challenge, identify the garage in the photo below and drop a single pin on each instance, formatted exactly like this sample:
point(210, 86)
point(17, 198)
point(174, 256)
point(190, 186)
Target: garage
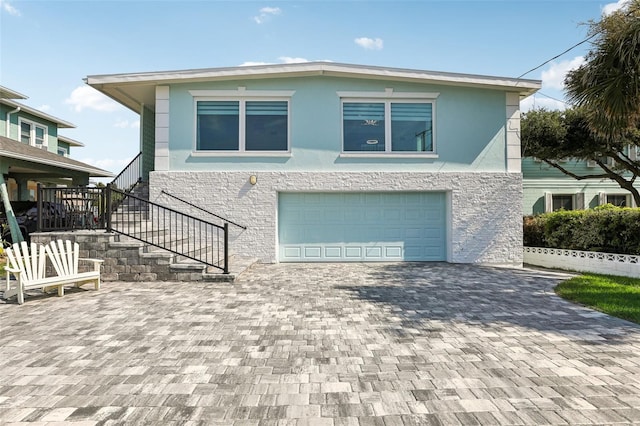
point(362, 226)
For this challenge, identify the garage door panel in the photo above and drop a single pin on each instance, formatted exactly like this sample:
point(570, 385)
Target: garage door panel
point(333, 252)
point(361, 226)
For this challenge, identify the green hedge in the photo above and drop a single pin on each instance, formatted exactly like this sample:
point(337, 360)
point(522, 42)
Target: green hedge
point(606, 228)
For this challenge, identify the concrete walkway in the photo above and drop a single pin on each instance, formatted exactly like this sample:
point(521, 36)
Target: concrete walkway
point(327, 344)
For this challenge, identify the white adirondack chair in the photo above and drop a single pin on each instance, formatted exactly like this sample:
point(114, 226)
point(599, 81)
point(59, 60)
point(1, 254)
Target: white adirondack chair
point(28, 265)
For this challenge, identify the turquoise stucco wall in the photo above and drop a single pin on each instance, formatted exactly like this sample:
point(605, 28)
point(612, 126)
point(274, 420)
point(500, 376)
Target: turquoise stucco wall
point(469, 127)
point(52, 128)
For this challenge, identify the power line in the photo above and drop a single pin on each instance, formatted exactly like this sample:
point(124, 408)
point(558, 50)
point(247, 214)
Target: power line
point(551, 97)
point(557, 56)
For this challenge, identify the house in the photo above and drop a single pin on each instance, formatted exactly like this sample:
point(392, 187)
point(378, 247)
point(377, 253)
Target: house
point(336, 162)
point(32, 150)
point(547, 189)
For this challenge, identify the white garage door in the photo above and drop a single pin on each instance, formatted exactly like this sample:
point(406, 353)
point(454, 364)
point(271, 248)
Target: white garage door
point(380, 226)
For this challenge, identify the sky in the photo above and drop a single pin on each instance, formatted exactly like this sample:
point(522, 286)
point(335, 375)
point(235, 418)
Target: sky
point(47, 47)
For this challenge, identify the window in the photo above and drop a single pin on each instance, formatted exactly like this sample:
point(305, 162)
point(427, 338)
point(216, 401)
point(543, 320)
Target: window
point(555, 202)
point(33, 134)
point(266, 126)
point(218, 125)
point(387, 126)
point(63, 150)
point(562, 202)
point(242, 125)
point(619, 200)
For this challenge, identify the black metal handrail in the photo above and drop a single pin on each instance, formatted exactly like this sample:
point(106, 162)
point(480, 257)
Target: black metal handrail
point(70, 208)
point(203, 210)
point(130, 176)
point(168, 229)
point(74, 208)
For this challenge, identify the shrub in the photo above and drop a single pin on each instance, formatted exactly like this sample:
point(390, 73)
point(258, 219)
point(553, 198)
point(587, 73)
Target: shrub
point(608, 229)
point(533, 231)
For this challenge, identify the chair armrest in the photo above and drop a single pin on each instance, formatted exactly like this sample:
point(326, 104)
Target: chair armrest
point(12, 270)
point(96, 262)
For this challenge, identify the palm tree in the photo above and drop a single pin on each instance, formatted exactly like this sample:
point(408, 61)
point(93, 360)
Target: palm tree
point(607, 85)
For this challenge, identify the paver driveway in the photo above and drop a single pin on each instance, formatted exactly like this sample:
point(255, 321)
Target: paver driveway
point(325, 344)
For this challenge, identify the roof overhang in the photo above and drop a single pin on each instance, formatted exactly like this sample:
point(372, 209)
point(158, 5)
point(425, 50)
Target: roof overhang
point(6, 93)
point(71, 142)
point(61, 123)
point(137, 89)
point(39, 157)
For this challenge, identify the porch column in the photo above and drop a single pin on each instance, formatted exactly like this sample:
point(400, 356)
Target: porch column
point(16, 235)
point(23, 189)
point(80, 180)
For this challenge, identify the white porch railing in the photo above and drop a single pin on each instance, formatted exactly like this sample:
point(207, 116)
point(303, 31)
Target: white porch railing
point(584, 261)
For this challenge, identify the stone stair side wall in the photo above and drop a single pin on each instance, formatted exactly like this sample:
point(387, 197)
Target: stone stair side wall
point(123, 261)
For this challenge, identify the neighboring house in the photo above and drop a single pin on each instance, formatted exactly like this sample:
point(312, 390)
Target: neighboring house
point(547, 189)
point(334, 162)
point(32, 151)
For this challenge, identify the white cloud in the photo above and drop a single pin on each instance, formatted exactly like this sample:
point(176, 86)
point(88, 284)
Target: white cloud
point(126, 124)
point(266, 13)
point(9, 8)
point(370, 43)
point(536, 101)
point(86, 97)
point(254, 63)
point(44, 108)
point(608, 9)
point(553, 78)
point(290, 60)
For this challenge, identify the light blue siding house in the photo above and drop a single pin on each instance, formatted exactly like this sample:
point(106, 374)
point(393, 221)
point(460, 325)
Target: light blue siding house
point(33, 151)
point(547, 189)
point(335, 162)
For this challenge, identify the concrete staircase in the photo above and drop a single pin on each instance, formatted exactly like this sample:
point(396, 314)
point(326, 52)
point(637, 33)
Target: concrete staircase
point(128, 259)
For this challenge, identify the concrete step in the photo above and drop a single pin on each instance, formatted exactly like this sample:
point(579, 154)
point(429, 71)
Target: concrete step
point(237, 266)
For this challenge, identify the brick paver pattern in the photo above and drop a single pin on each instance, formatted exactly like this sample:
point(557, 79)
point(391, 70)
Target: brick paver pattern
point(320, 344)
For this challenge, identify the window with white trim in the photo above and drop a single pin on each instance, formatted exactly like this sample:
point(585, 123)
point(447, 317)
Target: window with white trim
point(242, 125)
point(619, 200)
point(561, 202)
point(33, 134)
point(388, 125)
point(555, 202)
point(63, 150)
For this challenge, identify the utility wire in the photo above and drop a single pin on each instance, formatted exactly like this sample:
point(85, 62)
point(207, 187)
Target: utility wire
point(557, 56)
point(551, 97)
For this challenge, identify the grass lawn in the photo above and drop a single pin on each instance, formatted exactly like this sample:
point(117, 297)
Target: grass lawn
point(616, 296)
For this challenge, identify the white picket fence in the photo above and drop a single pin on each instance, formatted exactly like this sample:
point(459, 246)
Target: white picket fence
point(584, 261)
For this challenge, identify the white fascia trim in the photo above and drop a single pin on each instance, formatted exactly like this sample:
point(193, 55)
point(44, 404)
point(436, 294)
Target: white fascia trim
point(240, 92)
point(389, 94)
point(90, 170)
point(523, 86)
point(229, 154)
point(6, 93)
point(383, 154)
point(61, 123)
point(71, 142)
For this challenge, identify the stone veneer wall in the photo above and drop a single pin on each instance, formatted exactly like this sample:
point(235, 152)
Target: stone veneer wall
point(484, 212)
point(122, 261)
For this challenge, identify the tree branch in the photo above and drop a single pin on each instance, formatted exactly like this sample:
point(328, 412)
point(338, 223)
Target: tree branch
point(573, 175)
